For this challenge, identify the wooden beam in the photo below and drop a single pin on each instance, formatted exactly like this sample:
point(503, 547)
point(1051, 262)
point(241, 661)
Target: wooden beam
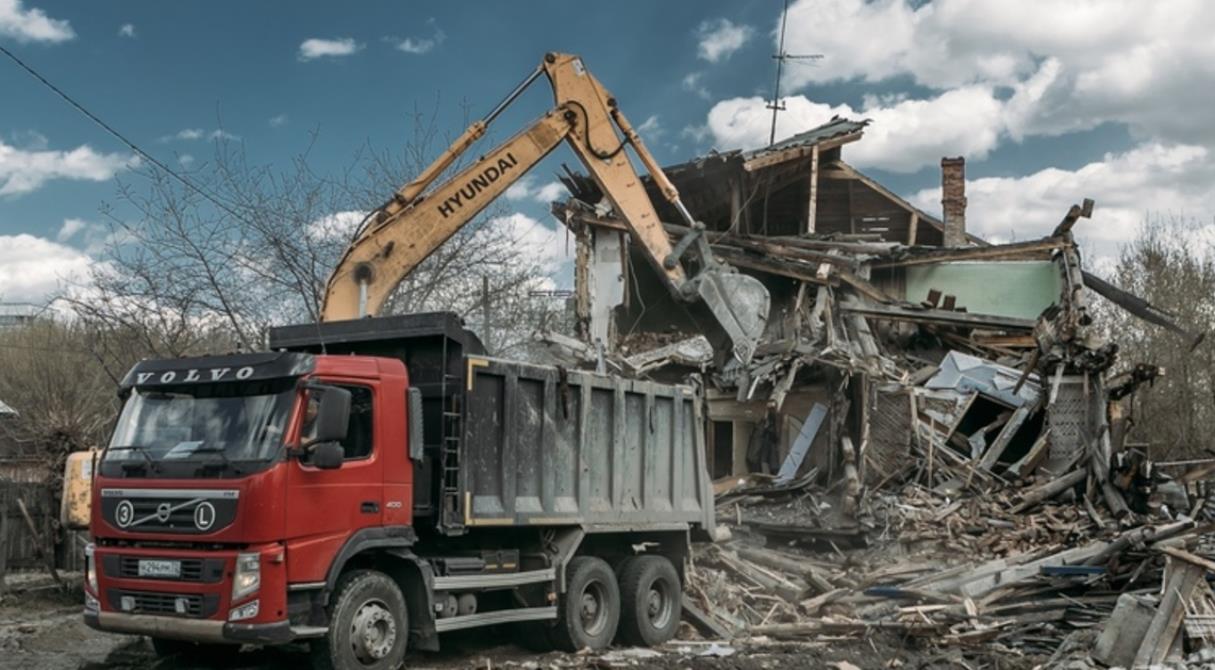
point(812, 204)
point(1183, 577)
point(794, 153)
point(940, 316)
point(1035, 249)
point(912, 226)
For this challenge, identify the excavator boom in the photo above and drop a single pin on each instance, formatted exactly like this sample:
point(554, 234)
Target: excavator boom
point(415, 222)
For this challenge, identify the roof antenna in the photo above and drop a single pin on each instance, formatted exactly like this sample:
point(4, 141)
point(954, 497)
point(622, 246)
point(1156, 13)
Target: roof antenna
point(776, 105)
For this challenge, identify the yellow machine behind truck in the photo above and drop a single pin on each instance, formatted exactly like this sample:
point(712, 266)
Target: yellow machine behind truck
point(406, 229)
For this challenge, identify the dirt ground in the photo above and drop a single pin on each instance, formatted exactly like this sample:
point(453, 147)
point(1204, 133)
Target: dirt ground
point(41, 629)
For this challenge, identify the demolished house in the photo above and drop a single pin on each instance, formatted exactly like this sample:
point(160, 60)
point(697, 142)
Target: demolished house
point(911, 375)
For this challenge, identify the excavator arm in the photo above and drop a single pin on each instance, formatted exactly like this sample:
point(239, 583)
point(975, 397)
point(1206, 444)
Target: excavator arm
point(408, 228)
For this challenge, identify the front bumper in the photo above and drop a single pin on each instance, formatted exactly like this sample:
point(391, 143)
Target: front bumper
point(193, 630)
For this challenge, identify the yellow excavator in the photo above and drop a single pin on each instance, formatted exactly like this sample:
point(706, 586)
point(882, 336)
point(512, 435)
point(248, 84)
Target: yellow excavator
point(410, 226)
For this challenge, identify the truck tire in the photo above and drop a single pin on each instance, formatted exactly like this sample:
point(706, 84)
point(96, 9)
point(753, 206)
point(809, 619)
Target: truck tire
point(589, 610)
point(368, 625)
point(650, 596)
point(194, 653)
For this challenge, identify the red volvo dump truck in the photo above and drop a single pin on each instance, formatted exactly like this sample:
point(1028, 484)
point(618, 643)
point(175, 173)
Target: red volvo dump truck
point(369, 484)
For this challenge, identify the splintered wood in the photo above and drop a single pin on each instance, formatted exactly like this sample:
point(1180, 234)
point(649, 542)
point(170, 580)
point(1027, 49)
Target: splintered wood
point(1012, 570)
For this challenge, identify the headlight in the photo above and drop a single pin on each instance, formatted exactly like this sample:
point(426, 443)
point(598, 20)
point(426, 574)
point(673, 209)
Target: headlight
point(248, 575)
point(246, 611)
point(90, 568)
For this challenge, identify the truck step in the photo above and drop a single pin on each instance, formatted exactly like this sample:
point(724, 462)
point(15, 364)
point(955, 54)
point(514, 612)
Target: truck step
point(491, 618)
point(494, 581)
point(308, 631)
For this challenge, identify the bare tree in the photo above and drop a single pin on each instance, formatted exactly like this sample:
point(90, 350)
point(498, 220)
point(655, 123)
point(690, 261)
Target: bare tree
point(1170, 263)
point(189, 269)
point(63, 397)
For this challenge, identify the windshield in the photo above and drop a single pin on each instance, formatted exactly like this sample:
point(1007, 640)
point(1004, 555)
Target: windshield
point(220, 423)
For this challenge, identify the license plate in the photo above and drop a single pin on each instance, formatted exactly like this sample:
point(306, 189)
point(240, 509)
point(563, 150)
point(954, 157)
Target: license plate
point(160, 568)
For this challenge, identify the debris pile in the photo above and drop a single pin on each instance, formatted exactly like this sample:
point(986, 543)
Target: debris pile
point(932, 438)
point(1017, 570)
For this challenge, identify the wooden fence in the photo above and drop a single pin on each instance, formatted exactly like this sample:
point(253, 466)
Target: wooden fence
point(19, 546)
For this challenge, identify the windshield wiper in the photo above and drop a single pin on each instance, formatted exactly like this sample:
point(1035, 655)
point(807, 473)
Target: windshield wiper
point(142, 451)
point(216, 450)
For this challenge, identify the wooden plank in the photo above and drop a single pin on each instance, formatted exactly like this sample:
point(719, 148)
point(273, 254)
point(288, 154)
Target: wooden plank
point(1183, 555)
point(812, 205)
point(794, 153)
point(1035, 249)
point(1183, 577)
point(912, 227)
point(1050, 489)
point(1032, 458)
point(5, 543)
point(993, 453)
point(897, 313)
point(706, 625)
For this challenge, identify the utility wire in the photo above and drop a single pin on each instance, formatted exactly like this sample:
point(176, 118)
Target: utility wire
point(109, 129)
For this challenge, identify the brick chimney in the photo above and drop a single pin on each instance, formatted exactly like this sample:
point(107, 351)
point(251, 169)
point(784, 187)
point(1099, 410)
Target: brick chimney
point(953, 200)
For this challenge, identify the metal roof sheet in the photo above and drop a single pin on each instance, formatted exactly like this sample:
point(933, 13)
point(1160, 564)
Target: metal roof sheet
point(836, 127)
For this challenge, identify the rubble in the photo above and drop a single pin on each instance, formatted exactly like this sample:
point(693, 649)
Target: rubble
point(931, 440)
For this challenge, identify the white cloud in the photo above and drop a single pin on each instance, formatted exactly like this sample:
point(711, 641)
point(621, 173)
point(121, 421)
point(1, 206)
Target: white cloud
point(184, 135)
point(336, 226)
point(193, 134)
point(651, 128)
point(554, 190)
point(694, 83)
point(186, 160)
point(93, 238)
point(719, 38)
point(1148, 65)
point(127, 30)
point(421, 45)
point(33, 268)
point(278, 121)
point(1150, 179)
point(905, 135)
point(535, 240)
point(22, 170)
point(527, 189)
point(70, 228)
point(315, 47)
point(31, 25)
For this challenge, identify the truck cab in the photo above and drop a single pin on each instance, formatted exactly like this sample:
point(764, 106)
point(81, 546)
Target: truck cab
point(393, 487)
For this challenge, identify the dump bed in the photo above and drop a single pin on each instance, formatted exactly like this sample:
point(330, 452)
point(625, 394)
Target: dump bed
point(510, 443)
point(544, 446)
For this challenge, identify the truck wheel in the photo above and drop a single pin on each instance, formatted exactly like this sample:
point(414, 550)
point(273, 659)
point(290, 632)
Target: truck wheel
point(650, 601)
point(368, 625)
point(589, 610)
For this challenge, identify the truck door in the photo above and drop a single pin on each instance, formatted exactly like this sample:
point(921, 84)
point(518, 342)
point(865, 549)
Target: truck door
point(326, 507)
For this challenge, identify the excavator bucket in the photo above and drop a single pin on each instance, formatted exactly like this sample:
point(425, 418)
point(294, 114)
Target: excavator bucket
point(739, 304)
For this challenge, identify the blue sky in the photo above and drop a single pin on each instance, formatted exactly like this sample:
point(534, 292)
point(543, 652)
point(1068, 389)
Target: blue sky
point(1049, 102)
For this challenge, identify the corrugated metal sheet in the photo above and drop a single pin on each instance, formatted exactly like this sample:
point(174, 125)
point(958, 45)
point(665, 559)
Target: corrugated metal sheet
point(836, 127)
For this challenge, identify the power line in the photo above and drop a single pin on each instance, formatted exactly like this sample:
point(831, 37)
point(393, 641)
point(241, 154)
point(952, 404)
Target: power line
point(121, 138)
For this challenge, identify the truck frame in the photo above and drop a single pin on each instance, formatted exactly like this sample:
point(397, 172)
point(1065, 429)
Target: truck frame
point(409, 485)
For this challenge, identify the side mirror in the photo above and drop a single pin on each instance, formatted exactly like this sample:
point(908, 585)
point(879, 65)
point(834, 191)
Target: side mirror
point(327, 456)
point(332, 415)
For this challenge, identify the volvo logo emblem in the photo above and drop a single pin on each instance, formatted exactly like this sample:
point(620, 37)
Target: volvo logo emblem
point(204, 515)
point(124, 514)
point(162, 512)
